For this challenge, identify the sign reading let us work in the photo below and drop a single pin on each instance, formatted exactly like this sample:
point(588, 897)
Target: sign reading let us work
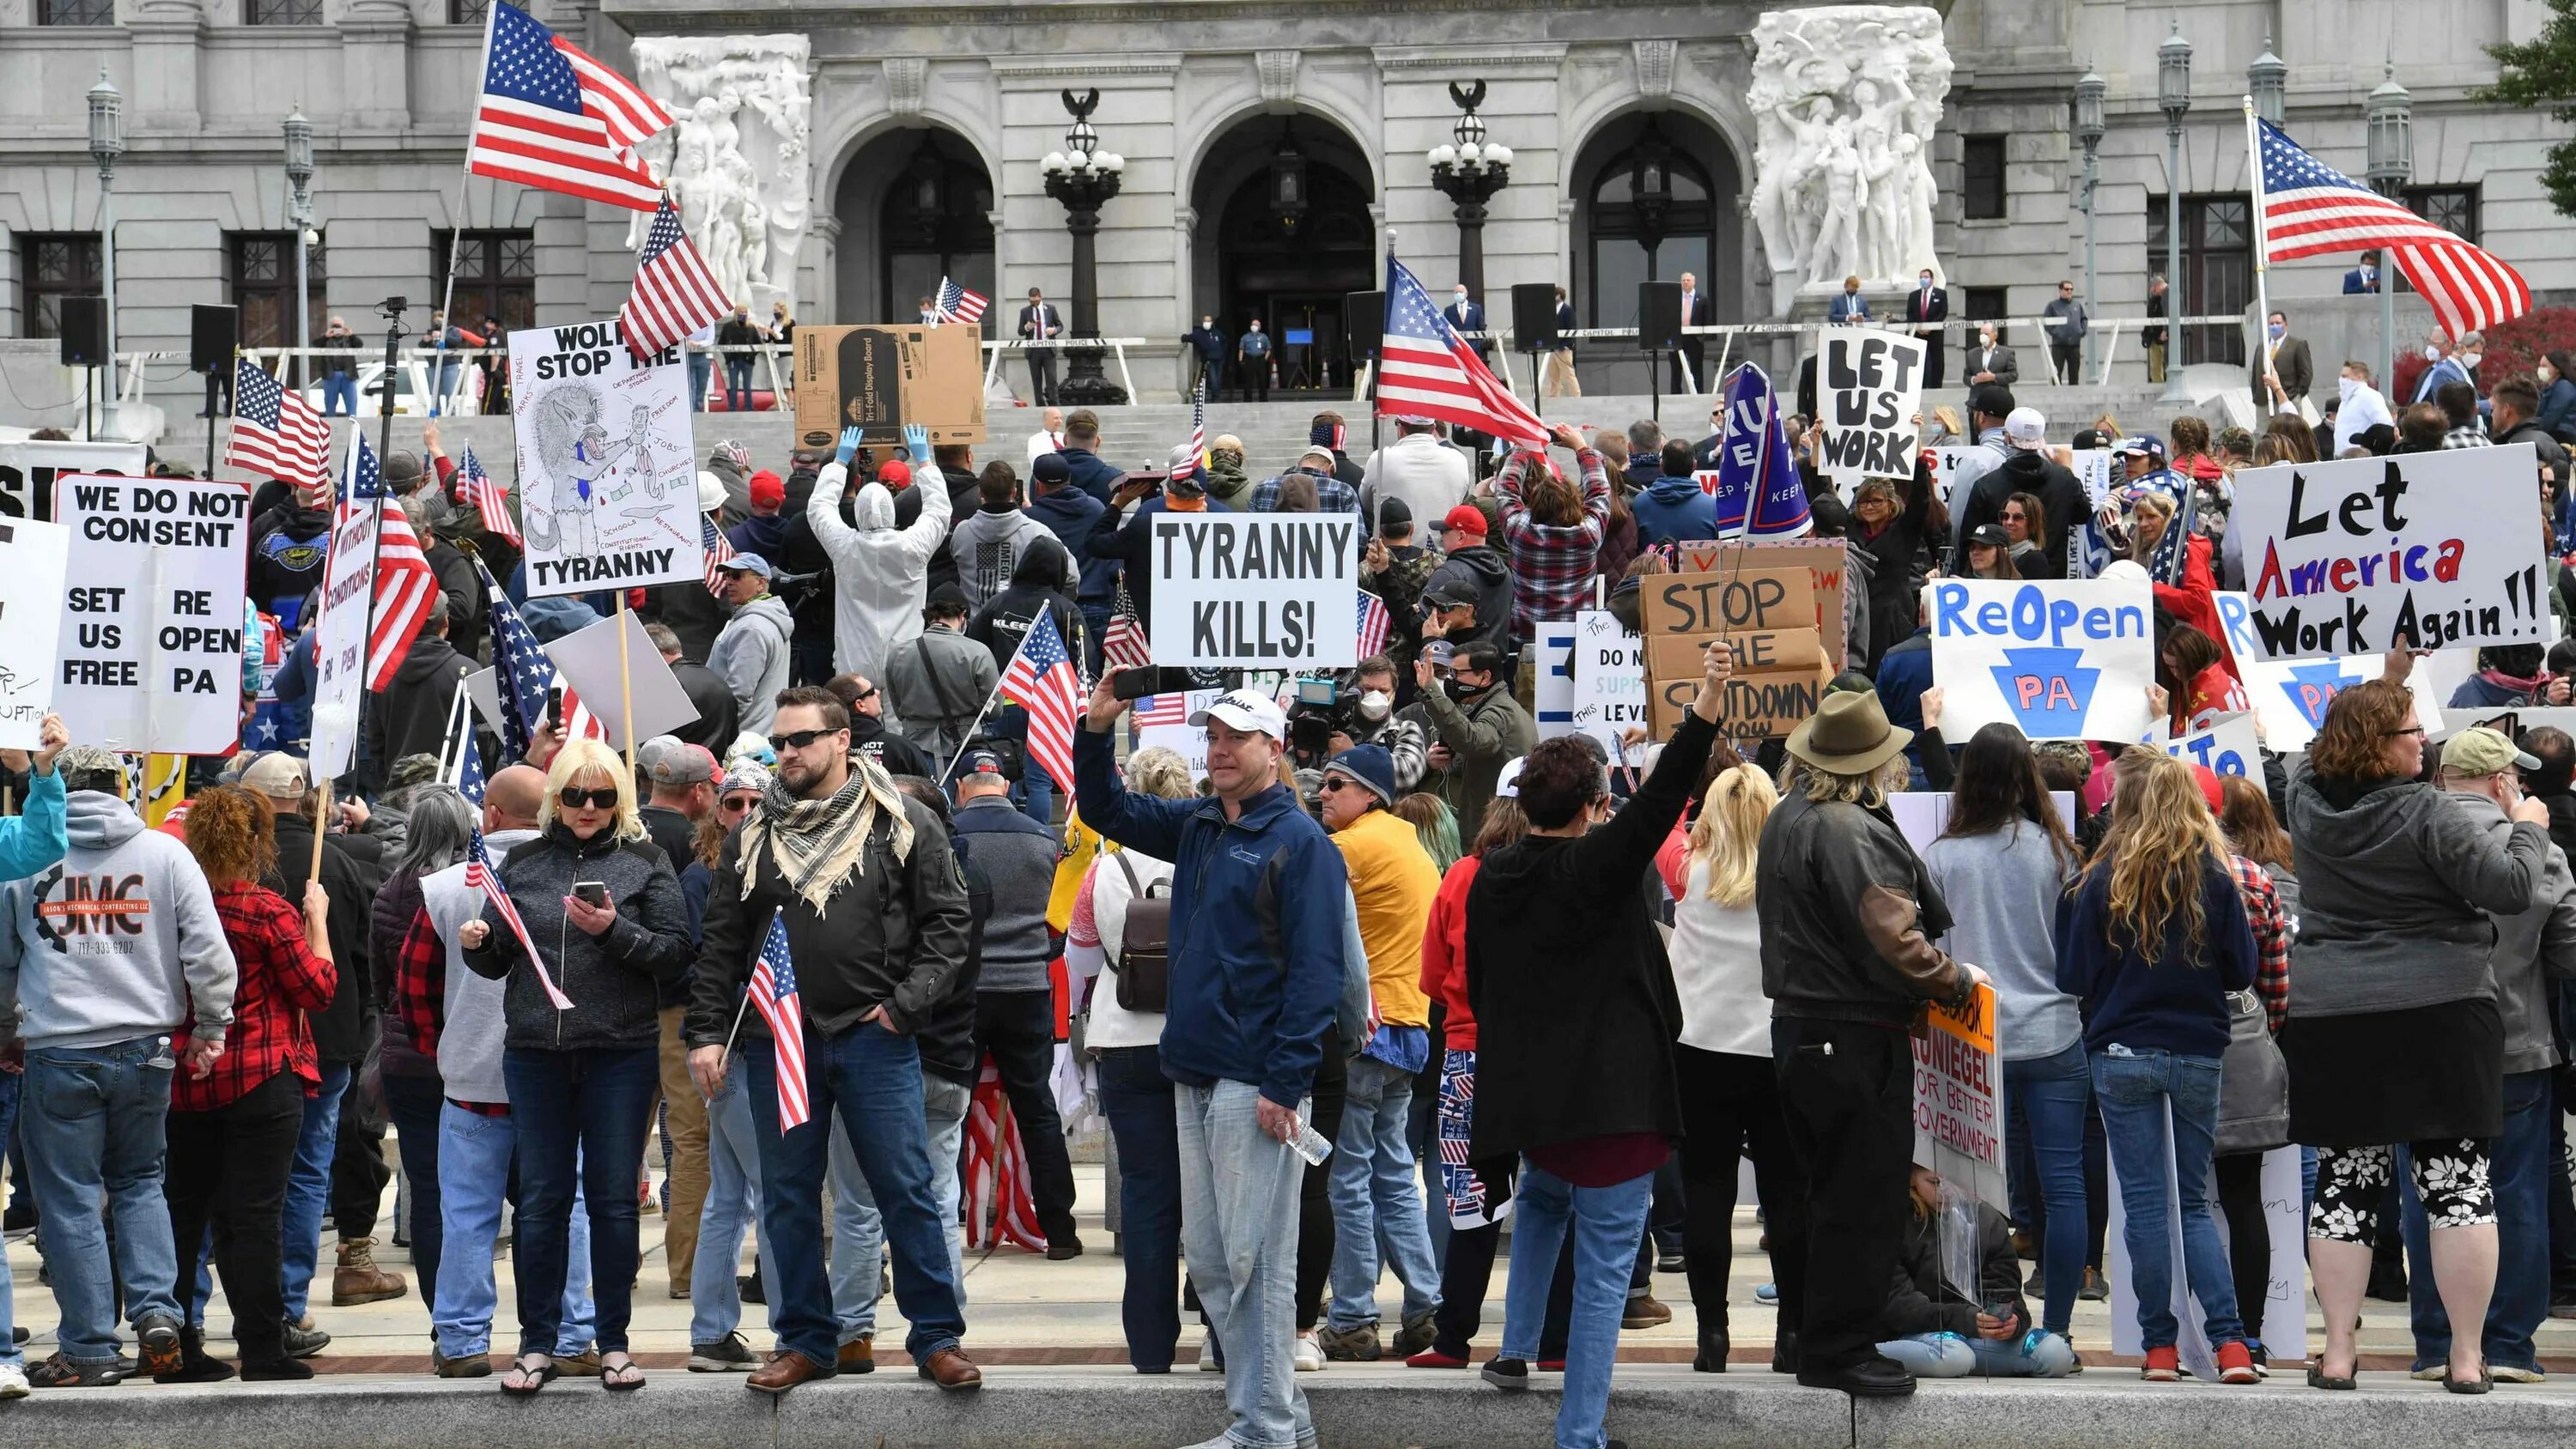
point(2061, 660)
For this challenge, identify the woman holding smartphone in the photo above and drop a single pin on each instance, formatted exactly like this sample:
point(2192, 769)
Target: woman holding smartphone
point(581, 1045)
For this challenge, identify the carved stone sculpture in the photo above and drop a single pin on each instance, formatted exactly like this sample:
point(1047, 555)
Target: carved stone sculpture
point(1846, 97)
point(735, 158)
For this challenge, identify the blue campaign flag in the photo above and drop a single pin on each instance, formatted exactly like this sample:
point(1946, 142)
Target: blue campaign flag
point(1759, 492)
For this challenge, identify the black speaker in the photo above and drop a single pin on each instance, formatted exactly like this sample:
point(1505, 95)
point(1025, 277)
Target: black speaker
point(1534, 316)
point(1659, 315)
point(1363, 324)
point(84, 325)
point(214, 334)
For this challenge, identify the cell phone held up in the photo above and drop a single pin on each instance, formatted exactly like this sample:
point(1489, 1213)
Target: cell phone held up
point(591, 893)
point(1138, 683)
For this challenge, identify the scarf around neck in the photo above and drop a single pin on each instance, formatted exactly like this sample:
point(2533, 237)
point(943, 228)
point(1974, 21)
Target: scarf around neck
point(818, 844)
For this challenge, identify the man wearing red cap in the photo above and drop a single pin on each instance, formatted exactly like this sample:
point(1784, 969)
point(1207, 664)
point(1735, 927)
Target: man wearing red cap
point(765, 531)
point(1473, 564)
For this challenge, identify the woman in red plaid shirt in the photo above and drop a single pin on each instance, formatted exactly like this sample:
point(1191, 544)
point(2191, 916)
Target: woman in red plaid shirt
point(233, 1125)
point(1554, 529)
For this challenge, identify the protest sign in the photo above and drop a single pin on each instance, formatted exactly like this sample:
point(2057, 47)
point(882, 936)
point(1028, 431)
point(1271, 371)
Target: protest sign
point(340, 638)
point(153, 661)
point(1921, 815)
point(2428, 550)
point(1823, 558)
point(586, 662)
point(33, 559)
point(1256, 590)
point(1187, 740)
point(1609, 678)
point(2060, 659)
point(29, 467)
point(2092, 467)
point(1945, 470)
point(1958, 1124)
point(879, 379)
point(1766, 615)
point(2227, 745)
point(2290, 697)
point(2511, 719)
point(1554, 657)
point(1869, 386)
point(2280, 1320)
point(608, 471)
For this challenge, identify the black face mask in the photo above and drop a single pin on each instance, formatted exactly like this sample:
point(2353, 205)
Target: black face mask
point(1460, 689)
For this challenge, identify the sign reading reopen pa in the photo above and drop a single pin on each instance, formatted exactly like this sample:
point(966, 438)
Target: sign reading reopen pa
point(2059, 660)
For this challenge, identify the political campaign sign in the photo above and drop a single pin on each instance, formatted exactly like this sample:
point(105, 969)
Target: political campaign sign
point(151, 633)
point(2428, 550)
point(1958, 1085)
point(2060, 659)
point(1869, 386)
point(2227, 745)
point(32, 561)
point(608, 489)
point(1256, 590)
point(2290, 695)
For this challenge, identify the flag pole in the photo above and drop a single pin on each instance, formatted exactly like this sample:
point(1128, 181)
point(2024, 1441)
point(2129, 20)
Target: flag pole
point(2262, 260)
point(962, 745)
point(455, 233)
point(625, 682)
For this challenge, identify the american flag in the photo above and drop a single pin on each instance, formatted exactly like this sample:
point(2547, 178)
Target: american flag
point(276, 433)
point(1198, 436)
point(773, 994)
point(1424, 369)
point(1373, 624)
point(674, 294)
point(552, 118)
point(958, 304)
point(1042, 681)
point(2310, 209)
point(479, 871)
point(1162, 709)
point(490, 499)
point(524, 673)
point(404, 585)
point(718, 551)
point(1123, 644)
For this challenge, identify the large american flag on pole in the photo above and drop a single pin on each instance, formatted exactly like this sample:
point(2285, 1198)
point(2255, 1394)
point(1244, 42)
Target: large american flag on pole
point(1042, 681)
point(1197, 462)
point(491, 501)
point(552, 118)
point(275, 432)
point(957, 303)
point(404, 584)
point(2310, 209)
point(674, 294)
point(773, 995)
point(480, 874)
point(1424, 369)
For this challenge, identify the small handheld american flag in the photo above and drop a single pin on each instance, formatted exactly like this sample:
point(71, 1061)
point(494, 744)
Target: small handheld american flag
point(958, 304)
point(276, 433)
point(1123, 644)
point(773, 995)
point(524, 673)
point(490, 499)
point(481, 876)
point(674, 293)
point(1162, 709)
point(719, 553)
point(1197, 462)
point(1042, 681)
point(1373, 624)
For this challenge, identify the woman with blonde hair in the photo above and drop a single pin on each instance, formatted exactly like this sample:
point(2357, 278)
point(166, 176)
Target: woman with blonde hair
point(1434, 824)
point(2153, 938)
point(581, 1047)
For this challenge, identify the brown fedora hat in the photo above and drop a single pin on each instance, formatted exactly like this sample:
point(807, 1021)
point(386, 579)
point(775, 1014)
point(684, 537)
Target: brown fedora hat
point(1849, 735)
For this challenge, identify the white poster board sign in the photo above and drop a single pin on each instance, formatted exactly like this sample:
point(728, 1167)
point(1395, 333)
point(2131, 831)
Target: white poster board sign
point(1554, 658)
point(608, 470)
point(153, 660)
point(29, 467)
point(2227, 745)
point(1256, 590)
point(1921, 816)
point(1945, 470)
point(340, 666)
point(1869, 386)
point(33, 559)
point(2290, 696)
point(2094, 468)
point(586, 661)
point(1187, 740)
point(2061, 659)
point(1609, 679)
point(2430, 550)
point(2280, 1320)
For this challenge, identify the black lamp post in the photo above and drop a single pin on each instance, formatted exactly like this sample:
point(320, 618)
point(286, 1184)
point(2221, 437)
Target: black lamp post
point(1288, 199)
point(1469, 170)
point(2173, 97)
point(1650, 190)
point(1084, 178)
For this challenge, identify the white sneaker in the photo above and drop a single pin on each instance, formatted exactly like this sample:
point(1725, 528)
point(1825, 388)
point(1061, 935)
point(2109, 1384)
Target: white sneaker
point(1207, 1356)
point(2430, 1373)
point(13, 1381)
point(1310, 1353)
point(2500, 1373)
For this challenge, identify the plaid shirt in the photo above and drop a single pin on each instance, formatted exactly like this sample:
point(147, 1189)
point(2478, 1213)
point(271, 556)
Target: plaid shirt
point(2271, 937)
point(1552, 563)
point(1332, 495)
point(281, 980)
point(420, 997)
point(2471, 434)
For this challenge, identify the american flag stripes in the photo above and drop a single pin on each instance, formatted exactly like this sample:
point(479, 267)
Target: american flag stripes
point(1123, 644)
point(1373, 624)
point(523, 675)
point(1425, 369)
point(1162, 709)
point(490, 499)
point(276, 433)
point(674, 293)
point(957, 303)
point(403, 585)
point(1198, 438)
point(481, 875)
point(719, 553)
point(773, 995)
point(1042, 681)
point(2310, 209)
point(552, 118)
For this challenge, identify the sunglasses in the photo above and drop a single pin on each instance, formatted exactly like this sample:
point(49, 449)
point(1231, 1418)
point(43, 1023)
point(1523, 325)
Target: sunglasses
point(801, 738)
point(573, 798)
point(1336, 782)
point(736, 803)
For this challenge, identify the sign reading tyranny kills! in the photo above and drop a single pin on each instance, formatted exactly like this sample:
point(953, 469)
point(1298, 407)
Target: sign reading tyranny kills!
point(1869, 386)
point(1256, 590)
point(2062, 659)
point(608, 486)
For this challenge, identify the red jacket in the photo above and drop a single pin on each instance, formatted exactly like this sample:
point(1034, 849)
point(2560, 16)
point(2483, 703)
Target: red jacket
point(2195, 600)
point(1444, 955)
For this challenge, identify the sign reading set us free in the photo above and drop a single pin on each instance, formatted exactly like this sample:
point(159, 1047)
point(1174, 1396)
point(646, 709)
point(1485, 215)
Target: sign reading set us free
point(1256, 590)
point(2060, 659)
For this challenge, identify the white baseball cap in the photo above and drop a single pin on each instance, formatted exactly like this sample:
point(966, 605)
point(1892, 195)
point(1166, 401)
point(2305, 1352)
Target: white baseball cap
point(1507, 785)
point(1246, 710)
point(2025, 428)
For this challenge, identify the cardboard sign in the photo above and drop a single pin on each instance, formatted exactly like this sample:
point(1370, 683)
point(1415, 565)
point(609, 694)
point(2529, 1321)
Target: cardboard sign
point(2227, 745)
point(608, 470)
point(1609, 679)
point(1255, 590)
point(152, 662)
point(29, 467)
point(2290, 697)
point(1958, 1085)
point(881, 378)
point(586, 661)
point(1869, 386)
point(2060, 659)
point(2429, 550)
point(1554, 695)
point(33, 559)
point(1823, 559)
point(1767, 616)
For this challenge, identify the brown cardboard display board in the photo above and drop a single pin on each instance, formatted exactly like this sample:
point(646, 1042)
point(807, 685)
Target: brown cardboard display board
point(1824, 559)
point(1785, 624)
point(882, 378)
point(1758, 706)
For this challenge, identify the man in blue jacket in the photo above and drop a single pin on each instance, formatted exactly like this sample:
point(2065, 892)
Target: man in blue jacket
point(1257, 962)
point(1674, 509)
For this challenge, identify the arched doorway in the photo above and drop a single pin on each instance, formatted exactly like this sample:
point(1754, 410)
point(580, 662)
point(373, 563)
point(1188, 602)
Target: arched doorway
point(1654, 197)
point(915, 205)
point(1284, 234)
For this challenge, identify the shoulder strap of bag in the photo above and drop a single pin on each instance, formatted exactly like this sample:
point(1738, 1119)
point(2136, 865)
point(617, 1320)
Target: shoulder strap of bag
point(948, 708)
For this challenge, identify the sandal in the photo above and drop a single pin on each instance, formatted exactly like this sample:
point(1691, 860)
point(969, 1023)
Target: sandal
point(619, 1373)
point(533, 1371)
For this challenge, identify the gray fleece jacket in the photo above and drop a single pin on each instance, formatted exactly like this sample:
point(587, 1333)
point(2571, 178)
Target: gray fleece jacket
point(470, 1024)
point(988, 545)
point(751, 657)
point(2534, 949)
point(2396, 881)
point(119, 940)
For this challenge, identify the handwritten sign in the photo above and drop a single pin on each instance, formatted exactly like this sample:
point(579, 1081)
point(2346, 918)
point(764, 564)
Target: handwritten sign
point(1256, 590)
point(1189, 741)
point(340, 638)
point(1869, 386)
point(2428, 550)
point(2227, 745)
point(2060, 659)
point(608, 470)
point(1958, 1122)
point(2290, 696)
point(153, 661)
point(1766, 616)
point(1609, 678)
point(1824, 560)
point(33, 558)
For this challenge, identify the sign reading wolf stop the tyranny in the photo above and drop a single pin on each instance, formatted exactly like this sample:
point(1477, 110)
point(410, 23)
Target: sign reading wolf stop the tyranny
point(607, 481)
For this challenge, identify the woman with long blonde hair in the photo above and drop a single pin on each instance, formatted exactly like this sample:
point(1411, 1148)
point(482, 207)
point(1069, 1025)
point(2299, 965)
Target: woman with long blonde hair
point(2152, 938)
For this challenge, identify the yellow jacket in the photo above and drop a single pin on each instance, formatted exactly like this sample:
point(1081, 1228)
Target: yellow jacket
point(1393, 879)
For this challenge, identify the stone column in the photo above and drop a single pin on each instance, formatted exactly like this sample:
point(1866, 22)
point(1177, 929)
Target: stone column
point(823, 263)
point(165, 93)
point(375, 47)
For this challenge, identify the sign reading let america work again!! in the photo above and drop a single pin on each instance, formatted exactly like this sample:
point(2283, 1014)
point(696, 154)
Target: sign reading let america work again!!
point(2062, 660)
point(1256, 590)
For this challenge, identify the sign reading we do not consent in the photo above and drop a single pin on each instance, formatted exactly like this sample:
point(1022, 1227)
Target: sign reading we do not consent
point(1256, 590)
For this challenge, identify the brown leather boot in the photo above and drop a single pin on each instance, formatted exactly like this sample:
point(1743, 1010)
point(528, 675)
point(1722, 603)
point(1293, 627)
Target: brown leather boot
point(357, 1279)
point(859, 1355)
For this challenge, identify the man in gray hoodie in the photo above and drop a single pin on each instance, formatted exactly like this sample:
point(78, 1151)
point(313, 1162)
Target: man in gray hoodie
point(989, 542)
point(102, 957)
point(752, 653)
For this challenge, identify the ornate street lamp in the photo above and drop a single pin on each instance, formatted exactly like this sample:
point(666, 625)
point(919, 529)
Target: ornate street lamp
point(1650, 190)
point(1288, 199)
point(2090, 127)
point(2173, 97)
point(2267, 80)
point(299, 215)
point(1469, 170)
point(2389, 166)
point(106, 143)
point(1084, 178)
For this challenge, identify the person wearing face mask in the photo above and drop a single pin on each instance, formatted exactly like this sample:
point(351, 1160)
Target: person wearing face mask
point(1207, 358)
point(1990, 361)
point(2362, 412)
point(2289, 364)
point(1926, 308)
point(2363, 279)
point(2450, 363)
point(1367, 716)
point(1467, 316)
point(2557, 396)
point(1478, 725)
point(1848, 308)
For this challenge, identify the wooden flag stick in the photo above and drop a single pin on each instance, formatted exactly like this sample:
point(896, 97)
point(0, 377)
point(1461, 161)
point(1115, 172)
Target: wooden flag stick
point(625, 683)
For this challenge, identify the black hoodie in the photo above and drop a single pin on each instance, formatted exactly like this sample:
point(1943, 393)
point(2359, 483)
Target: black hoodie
point(1008, 616)
point(2027, 470)
point(410, 715)
point(1491, 577)
point(286, 557)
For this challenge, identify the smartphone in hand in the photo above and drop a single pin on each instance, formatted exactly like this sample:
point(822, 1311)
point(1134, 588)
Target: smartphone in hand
point(591, 893)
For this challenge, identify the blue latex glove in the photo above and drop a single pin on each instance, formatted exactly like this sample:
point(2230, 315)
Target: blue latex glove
point(916, 442)
point(849, 446)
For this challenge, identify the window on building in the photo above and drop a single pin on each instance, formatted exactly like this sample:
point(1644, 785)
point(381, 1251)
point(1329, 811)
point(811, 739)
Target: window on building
point(1653, 217)
point(52, 266)
point(2217, 270)
point(2452, 208)
point(467, 12)
point(282, 12)
point(1982, 192)
point(1984, 304)
point(75, 12)
point(496, 276)
point(260, 269)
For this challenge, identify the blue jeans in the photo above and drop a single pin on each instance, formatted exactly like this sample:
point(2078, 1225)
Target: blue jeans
point(737, 384)
point(1095, 630)
point(858, 1229)
point(308, 1189)
point(871, 1077)
point(1239, 1234)
point(474, 1157)
point(10, 1353)
point(1605, 1223)
point(2135, 1088)
point(340, 394)
point(1377, 1199)
point(1949, 1356)
point(581, 1116)
point(2518, 1170)
point(701, 369)
point(2050, 1094)
point(413, 1104)
point(1037, 797)
point(1137, 1099)
point(446, 387)
point(94, 1121)
point(733, 1204)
